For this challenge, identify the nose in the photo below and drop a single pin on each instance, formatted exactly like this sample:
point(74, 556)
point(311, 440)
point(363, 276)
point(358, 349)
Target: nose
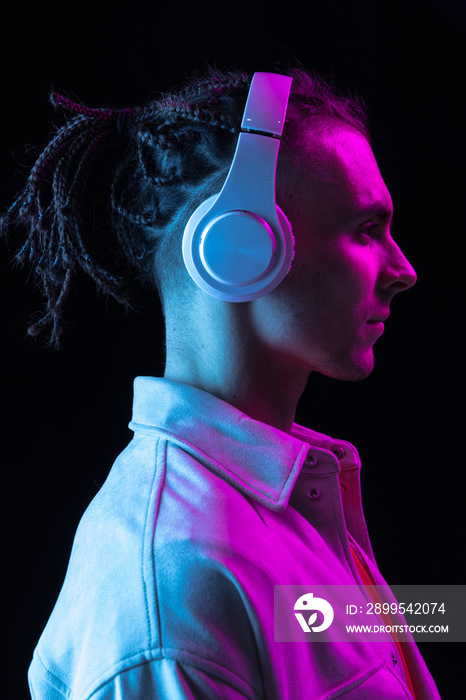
point(398, 273)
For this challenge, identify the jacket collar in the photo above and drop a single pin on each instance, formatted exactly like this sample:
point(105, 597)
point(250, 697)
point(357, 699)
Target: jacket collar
point(257, 459)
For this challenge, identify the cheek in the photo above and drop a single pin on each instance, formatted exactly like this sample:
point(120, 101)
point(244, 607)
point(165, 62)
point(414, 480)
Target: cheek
point(327, 288)
point(350, 272)
point(336, 290)
point(333, 269)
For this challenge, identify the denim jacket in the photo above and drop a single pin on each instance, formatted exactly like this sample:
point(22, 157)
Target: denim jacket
point(169, 591)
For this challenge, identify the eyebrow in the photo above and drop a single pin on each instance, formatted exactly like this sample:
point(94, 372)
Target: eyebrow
point(377, 210)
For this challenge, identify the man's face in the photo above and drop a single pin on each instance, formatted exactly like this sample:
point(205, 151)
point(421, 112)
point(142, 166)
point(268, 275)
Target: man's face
point(328, 312)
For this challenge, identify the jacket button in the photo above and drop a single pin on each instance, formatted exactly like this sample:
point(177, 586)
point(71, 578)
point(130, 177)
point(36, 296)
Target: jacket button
point(338, 452)
point(311, 461)
point(394, 659)
point(313, 493)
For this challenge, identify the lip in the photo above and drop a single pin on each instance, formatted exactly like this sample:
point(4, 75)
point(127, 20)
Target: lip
point(378, 326)
point(379, 319)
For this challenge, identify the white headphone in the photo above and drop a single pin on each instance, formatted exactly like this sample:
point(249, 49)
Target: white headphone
point(238, 245)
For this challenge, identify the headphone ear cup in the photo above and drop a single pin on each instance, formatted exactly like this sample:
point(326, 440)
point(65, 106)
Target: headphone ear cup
point(237, 255)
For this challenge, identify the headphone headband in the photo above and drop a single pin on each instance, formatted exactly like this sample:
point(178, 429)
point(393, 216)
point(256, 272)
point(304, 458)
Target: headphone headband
point(267, 103)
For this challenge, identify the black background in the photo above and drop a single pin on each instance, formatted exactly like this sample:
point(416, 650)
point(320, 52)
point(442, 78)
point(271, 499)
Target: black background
point(65, 413)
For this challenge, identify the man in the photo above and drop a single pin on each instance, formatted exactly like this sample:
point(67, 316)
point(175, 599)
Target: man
point(220, 496)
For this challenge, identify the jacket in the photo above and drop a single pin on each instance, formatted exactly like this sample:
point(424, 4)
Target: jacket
point(169, 591)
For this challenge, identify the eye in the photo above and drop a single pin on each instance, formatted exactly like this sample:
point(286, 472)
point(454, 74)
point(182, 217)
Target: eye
point(367, 231)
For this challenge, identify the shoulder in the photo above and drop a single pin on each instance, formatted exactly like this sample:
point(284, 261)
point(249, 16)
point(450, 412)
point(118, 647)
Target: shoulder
point(150, 575)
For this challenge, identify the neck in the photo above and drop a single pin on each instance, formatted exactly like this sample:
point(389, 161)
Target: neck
point(224, 357)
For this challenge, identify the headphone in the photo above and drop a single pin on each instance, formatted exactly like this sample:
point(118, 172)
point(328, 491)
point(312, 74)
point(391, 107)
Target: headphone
point(238, 245)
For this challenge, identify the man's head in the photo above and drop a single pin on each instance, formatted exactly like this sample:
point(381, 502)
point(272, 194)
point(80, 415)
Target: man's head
point(174, 152)
point(327, 313)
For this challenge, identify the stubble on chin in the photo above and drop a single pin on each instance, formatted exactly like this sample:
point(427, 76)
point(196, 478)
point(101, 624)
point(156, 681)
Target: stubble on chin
point(349, 369)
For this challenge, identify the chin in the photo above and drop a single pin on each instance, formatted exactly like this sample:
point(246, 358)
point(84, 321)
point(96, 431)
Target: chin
point(350, 370)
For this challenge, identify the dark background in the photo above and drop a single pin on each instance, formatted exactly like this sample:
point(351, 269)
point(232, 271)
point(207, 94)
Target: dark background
point(65, 413)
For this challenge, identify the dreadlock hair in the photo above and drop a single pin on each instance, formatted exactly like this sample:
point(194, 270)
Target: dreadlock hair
point(166, 157)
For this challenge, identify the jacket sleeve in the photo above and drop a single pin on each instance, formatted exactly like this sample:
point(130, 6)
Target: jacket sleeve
point(170, 679)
